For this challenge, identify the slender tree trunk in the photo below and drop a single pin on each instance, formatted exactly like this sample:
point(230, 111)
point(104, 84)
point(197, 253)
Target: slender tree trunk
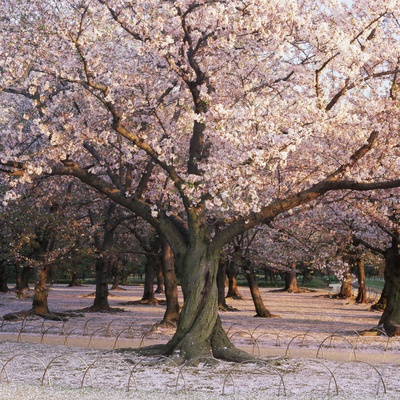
point(3, 278)
point(74, 279)
point(150, 272)
point(390, 320)
point(362, 290)
point(160, 278)
point(233, 290)
point(22, 278)
point(171, 315)
point(261, 310)
point(41, 293)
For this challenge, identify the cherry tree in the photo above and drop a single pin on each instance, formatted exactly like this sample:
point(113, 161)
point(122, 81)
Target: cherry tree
point(205, 118)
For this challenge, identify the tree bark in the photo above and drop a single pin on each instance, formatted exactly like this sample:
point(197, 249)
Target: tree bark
point(233, 290)
point(390, 320)
point(74, 279)
point(160, 278)
point(116, 272)
point(150, 273)
point(22, 278)
point(40, 294)
point(362, 290)
point(291, 284)
point(171, 315)
point(221, 286)
point(148, 288)
point(381, 304)
point(199, 332)
point(100, 302)
point(261, 310)
point(346, 287)
point(3, 278)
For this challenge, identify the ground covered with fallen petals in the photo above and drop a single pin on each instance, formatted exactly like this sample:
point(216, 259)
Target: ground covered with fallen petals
point(312, 349)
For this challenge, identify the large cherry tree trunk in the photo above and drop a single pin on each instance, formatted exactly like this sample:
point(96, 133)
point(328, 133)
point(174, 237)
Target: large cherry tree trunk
point(390, 319)
point(199, 332)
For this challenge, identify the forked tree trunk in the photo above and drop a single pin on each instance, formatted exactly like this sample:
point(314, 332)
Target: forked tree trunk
point(390, 320)
point(41, 293)
point(362, 289)
point(171, 315)
point(261, 310)
point(199, 332)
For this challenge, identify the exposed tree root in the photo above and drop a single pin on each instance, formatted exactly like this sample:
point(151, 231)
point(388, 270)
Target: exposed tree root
point(117, 288)
point(267, 315)
point(235, 297)
point(154, 301)
point(101, 309)
point(227, 307)
point(377, 307)
point(53, 316)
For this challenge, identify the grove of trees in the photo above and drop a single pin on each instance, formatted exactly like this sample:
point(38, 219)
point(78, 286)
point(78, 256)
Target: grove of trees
point(207, 119)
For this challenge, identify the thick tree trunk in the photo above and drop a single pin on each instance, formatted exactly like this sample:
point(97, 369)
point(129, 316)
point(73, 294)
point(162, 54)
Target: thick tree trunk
point(101, 298)
point(390, 320)
point(41, 293)
point(362, 289)
point(291, 284)
point(346, 287)
point(171, 315)
point(199, 332)
point(3, 278)
point(116, 272)
point(261, 310)
point(233, 290)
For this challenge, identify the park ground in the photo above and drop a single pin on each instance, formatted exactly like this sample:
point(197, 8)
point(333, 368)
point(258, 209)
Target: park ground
point(311, 349)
